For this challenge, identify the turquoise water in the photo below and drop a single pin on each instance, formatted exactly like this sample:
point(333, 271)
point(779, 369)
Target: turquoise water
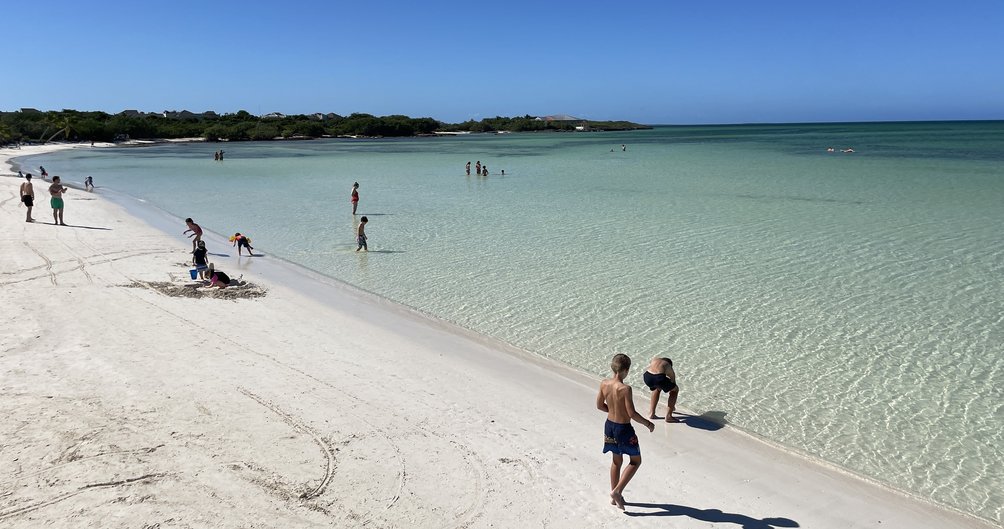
point(847, 305)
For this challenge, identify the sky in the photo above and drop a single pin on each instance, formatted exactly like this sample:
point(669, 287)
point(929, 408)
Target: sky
point(653, 62)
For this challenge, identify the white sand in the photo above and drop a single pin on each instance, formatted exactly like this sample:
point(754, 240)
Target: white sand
point(317, 405)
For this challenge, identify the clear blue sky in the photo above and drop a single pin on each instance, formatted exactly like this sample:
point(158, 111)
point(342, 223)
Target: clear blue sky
point(728, 61)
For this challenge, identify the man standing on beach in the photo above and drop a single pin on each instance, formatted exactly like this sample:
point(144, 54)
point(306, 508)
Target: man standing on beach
point(660, 377)
point(56, 201)
point(27, 197)
point(618, 434)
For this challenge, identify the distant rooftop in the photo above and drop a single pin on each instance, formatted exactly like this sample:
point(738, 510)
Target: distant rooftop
point(559, 117)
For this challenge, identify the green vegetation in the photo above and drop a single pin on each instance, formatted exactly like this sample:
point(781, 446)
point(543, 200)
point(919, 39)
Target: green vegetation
point(29, 125)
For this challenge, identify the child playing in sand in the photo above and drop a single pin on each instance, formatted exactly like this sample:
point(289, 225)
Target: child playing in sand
point(361, 235)
point(196, 232)
point(217, 278)
point(660, 377)
point(199, 259)
point(242, 241)
point(618, 434)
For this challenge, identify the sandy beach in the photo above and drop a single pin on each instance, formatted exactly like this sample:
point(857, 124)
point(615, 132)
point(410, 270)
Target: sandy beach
point(133, 398)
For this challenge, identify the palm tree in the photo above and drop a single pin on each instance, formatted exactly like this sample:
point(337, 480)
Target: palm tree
point(65, 124)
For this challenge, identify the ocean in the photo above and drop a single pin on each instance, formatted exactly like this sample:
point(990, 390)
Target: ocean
point(846, 305)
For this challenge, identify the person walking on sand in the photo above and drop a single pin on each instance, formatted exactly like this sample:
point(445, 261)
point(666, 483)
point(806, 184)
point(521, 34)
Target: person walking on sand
point(618, 434)
point(196, 230)
point(354, 196)
point(242, 241)
point(361, 235)
point(660, 377)
point(28, 197)
point(56, 201)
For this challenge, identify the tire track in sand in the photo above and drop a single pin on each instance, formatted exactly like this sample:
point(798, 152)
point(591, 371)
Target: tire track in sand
point(329, 452)
point(48, 262)
point(81, 490)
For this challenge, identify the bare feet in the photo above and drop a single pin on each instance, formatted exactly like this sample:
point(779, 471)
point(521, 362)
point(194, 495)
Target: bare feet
point(654, 417)
point(672, 419)
point(618, 500)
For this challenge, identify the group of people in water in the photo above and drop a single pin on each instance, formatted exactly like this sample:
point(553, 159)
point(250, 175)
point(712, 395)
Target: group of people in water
point(218, 155)
point(615, 398)
point(481, 170)
point(56, 192)
point(205, 270)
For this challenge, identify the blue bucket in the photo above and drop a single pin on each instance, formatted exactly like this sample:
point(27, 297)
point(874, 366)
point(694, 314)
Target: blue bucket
point(194, 273)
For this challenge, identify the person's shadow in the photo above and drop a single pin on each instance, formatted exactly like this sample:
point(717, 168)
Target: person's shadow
point(710, 515)
point(709, 420)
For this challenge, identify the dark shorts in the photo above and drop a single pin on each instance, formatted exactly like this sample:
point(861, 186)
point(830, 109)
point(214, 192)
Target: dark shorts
point(659, 381)
point(28, 200)
point(620, 439)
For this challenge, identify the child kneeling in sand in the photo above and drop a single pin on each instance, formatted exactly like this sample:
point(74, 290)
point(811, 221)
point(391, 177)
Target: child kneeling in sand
point(217, 278)
point(618, 434)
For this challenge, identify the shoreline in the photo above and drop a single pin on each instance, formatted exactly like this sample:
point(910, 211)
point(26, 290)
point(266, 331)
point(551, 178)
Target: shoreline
point(795, 486)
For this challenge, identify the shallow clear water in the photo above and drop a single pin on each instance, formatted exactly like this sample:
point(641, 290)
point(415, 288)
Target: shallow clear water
point(849, 306)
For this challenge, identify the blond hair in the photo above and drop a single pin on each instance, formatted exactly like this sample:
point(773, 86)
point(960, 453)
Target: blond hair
point(621, 363)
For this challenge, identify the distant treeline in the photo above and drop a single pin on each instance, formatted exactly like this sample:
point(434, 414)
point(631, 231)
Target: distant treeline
point(72, 125)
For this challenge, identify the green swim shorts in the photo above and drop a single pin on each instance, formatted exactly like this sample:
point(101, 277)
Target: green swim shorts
point(56, 203)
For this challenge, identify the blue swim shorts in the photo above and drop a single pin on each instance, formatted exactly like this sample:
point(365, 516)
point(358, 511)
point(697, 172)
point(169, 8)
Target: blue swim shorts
point(620, 439)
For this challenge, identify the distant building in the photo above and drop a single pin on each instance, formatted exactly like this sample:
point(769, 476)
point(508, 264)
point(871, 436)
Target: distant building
point(132, 113)
point(274, 115)
point(559, 117)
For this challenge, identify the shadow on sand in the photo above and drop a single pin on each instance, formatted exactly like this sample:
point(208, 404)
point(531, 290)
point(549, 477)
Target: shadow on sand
point(709, 420)
point(710, 515)
point(83, 227)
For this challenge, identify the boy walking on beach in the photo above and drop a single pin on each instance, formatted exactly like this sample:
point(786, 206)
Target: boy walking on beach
point(361, 235)
point(660, 377)
point(196, 232)
point(618, 434)
point(28, 197)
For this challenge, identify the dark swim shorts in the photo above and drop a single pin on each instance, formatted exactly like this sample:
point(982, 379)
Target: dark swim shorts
point(28, 200)
point(620, 439)
point(659, 381)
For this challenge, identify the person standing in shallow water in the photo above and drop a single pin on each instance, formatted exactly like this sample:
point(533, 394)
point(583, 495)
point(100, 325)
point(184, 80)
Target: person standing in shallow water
point(354, 197)
point(361, 235)
point(618, 435)
point(468, 168)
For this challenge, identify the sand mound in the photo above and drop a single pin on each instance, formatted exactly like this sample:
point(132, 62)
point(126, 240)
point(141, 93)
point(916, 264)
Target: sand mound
point(244, 290)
